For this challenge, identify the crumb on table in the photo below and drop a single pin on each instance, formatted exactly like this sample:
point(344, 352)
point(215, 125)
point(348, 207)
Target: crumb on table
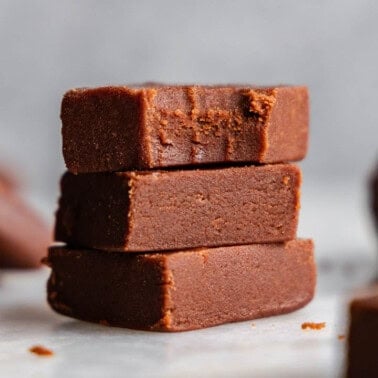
point(41, 350)
point(313, 326)
point(341, 337)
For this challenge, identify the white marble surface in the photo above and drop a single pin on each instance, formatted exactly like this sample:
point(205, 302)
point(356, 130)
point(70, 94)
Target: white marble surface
point(261, 348)
point(255, 348)
point(269, 347)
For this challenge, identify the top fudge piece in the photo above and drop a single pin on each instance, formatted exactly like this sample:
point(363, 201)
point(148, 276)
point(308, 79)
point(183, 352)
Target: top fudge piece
point(154, 126)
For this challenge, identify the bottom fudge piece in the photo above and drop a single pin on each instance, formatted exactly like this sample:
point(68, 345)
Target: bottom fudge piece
point(363, 336)
point(180, 291)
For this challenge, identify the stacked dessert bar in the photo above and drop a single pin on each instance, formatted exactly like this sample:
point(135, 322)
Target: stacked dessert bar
point(179, 209)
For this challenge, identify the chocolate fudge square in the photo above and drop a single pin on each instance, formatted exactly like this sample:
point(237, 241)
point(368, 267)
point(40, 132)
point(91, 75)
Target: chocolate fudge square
point(120, 128)
point(170, 210)
point(181, 290)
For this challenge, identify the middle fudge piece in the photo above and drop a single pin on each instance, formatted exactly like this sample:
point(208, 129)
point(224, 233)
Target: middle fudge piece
point(167, 210)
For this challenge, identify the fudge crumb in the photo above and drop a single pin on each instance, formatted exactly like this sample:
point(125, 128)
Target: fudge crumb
point(41, 351)
point(253, 325)
point(313, 326)
point(341, 337)
point(286, 180)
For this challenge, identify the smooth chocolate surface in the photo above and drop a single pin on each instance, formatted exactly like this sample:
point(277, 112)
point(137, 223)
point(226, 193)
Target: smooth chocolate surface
point(24, 237)
point(180, 291)
point(125, 128)
point(363, 336)
point(170, 210)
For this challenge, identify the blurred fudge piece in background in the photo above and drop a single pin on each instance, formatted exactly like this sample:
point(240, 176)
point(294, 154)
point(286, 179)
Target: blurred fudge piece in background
point(363, 335)
point(24, 236)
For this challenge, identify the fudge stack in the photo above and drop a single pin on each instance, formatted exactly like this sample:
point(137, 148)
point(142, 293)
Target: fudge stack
point(179, 209)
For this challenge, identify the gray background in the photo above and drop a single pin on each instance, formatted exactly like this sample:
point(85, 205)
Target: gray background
point(48, 47)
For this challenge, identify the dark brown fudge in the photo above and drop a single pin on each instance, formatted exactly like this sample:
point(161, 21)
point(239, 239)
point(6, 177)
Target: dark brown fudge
point(126, 128)
point(24, 237)
point(180, 291)
point(170, 210)
point(363, 336)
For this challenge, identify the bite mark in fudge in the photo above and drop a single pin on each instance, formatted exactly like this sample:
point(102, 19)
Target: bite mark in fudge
point(121, 128)
point(169, 210)
point(180, 291)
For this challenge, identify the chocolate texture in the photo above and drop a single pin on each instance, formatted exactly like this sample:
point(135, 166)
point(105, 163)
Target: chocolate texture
point(181, 291)
point(363, 336)
point(126, 128)
point(170, 210)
